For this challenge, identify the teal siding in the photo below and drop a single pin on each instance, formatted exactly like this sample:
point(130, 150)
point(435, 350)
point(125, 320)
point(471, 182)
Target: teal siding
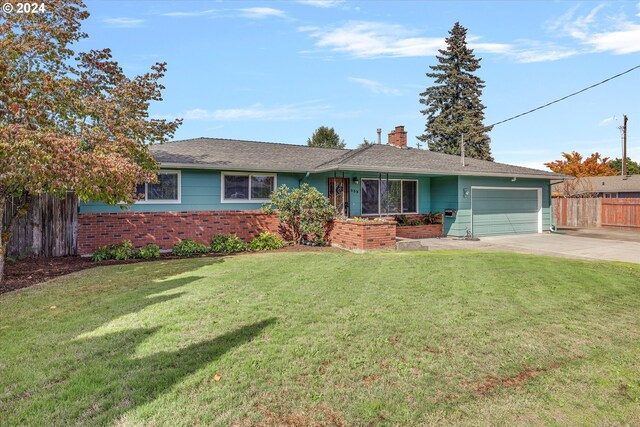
point(201, 191)
point(444, 195)
point(321, 182)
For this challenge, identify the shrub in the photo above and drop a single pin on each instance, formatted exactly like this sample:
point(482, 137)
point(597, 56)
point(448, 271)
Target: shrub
point(188, 247)
point(303, 211)
point(228, 244)
point(402, 220)
point(266, 242)
point(430, 218)
point(102, 253)
point(121, 251)
point(433, 218)
point(148, 252)
point(124, 250)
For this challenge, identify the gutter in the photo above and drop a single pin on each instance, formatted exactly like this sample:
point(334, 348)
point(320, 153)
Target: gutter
point(365, 169)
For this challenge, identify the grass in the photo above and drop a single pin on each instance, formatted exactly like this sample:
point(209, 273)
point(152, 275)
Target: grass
point(327, 339)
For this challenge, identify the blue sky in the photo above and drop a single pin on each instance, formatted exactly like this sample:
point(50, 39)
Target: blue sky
point(275, 71)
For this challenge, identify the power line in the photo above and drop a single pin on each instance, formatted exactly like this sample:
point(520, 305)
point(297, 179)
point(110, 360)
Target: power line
point(565, 97)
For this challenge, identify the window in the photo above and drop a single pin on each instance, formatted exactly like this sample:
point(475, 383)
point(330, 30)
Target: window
point(393, 196)
point(247, 187)
point(166, 190)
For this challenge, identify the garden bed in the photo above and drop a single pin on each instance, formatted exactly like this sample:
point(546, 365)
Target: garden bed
point(419, 231)
point(421, 226)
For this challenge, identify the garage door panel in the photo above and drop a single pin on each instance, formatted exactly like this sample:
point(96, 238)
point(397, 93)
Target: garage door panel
point(504, 211)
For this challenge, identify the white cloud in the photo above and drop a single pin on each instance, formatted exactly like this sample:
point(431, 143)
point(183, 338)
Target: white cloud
point(367, 40)
point(542, 54)
point(322, 3)
point(193, 13)
point(598, 33)
point(261, 12)
point(523, 51)
point(123, 22)
point(375, 87)
point(607, 121)
point(375, 40)
point(300, 111)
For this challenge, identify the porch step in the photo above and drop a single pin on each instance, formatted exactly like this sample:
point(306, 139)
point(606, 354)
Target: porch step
point(403, 244)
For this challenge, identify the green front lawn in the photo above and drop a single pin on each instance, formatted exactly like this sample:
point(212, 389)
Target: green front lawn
point(329, 338)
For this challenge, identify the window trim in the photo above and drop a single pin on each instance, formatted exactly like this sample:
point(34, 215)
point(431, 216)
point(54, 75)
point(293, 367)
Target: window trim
point(145, 201)
point(249, 174)
point(401, 196)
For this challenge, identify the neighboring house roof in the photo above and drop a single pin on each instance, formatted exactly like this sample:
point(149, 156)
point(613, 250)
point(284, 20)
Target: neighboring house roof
point(230, 154)
point(601, 184)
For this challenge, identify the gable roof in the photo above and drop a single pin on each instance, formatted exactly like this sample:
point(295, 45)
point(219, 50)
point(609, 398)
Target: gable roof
point(228, 154)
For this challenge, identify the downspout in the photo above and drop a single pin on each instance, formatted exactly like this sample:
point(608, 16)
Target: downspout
point(302, 179)
point(552, 228)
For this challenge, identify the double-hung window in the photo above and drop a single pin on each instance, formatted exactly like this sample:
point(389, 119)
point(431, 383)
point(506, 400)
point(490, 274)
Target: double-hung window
point(389, 196)
point(237, 187)
point(166, 190)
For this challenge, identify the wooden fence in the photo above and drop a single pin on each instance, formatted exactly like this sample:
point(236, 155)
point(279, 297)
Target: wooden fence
point(621, 213)
point(595, 212)
point(50, 228)
point(578, 212)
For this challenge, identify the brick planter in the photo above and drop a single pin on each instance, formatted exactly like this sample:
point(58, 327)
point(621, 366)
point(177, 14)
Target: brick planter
point(363, 236)
point(420, 231)
point(165, 229)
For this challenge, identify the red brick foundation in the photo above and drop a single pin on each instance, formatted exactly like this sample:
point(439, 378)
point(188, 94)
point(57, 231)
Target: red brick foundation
point(363, 236)
point(165, 229)
point(420, 231)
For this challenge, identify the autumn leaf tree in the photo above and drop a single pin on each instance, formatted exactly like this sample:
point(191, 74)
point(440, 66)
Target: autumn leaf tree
point(573, 164)
point(70, 122)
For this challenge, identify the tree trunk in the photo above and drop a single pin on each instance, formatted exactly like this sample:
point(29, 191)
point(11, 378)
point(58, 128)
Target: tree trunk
point(6, 229)
point(3, 240)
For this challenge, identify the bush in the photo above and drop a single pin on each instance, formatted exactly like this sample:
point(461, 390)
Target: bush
point(148, 252)
point(124, 250)
point(188, 247)
point(121, 251)
point(228, 244)
point(102, 253)
point(303, 211)
point(426, 219)
point(266, 242)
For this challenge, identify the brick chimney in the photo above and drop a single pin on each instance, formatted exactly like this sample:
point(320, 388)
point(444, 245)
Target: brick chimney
point(398, 137)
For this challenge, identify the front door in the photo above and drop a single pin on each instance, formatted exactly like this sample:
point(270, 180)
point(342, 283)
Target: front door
point(339, 195)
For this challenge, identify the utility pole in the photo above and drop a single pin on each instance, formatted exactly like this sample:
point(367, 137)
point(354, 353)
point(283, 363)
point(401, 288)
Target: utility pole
point(624, 145)
point(462, 148)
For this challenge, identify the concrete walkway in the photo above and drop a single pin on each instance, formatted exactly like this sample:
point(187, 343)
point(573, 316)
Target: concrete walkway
point(560, 245)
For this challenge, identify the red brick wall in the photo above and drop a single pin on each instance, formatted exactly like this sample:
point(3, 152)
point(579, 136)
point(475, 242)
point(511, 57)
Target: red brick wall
point(420, 231)
point(363, 236)
point(167, 228)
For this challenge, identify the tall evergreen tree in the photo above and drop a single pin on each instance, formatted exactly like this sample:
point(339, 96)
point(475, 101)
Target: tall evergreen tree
point(325, 137)
point(453, 105)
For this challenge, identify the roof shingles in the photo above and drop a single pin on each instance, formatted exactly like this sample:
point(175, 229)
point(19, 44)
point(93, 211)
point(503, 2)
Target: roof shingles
point(264, 156)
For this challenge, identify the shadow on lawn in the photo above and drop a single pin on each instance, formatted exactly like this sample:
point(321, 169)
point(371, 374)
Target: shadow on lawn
point(109, 380)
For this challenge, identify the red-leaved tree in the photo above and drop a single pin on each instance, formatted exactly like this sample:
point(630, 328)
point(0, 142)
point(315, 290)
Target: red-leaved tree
point(574, 165)
point(67, 121)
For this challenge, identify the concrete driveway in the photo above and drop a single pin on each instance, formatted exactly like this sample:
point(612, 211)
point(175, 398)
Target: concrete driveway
point(560, 245)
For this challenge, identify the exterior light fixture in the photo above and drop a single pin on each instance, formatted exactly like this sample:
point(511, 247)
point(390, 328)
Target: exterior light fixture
point(465, 193)
point(355, 180)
